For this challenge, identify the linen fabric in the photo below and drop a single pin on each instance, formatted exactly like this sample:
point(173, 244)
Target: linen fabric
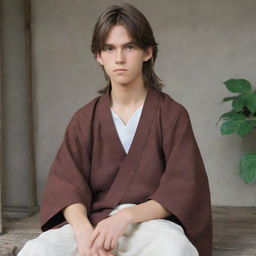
point(149, 238)
point(126, 131)
point(163, 164)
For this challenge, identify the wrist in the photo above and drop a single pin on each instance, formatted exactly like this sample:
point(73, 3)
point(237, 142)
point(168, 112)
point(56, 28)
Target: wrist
point(82, 223)
point(127, 215)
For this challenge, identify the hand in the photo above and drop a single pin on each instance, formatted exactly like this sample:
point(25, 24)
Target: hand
point(83, 234)
point(109, 230)
point(95, 251)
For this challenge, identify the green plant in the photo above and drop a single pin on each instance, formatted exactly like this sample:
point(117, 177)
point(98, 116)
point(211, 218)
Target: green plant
point(241, 120)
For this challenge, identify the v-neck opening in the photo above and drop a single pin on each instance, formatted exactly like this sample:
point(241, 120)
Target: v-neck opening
point(138, 125)
point(132, 116)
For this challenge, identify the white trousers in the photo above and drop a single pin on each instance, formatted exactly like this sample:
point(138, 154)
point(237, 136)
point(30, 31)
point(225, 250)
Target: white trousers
point(150, 238)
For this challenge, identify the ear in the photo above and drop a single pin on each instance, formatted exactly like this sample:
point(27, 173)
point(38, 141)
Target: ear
point(148, 53)
point(99, 58)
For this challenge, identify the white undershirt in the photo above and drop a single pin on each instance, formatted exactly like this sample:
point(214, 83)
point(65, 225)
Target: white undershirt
point(126, 132)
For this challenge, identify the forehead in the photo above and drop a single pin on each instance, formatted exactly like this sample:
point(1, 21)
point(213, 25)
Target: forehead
point(118, 34)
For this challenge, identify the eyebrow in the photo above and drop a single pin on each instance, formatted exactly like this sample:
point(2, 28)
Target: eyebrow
point(131, 42)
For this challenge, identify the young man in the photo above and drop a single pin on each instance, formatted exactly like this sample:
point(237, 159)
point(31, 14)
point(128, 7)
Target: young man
point(128, 178)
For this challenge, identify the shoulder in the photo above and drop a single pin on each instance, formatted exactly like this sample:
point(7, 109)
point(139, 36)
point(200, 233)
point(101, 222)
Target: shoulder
point(84, 114)
point(171, 109)
point(174, 116)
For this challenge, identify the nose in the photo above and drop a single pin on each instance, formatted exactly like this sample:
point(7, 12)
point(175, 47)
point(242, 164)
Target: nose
point(119, 56)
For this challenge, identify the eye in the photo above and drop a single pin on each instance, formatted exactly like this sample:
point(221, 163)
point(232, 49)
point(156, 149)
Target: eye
point(108, 48)
point(129, 47)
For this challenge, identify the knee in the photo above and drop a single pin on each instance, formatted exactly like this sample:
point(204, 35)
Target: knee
point(176, 243)
point(33, 248)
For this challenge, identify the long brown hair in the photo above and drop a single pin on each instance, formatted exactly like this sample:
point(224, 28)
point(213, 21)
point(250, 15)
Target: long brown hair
point(140, 31)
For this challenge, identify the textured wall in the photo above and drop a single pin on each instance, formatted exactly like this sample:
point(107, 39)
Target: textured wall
point(18, 155)
point(202, 43)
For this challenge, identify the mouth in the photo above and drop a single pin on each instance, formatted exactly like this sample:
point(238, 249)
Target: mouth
point(120, 70)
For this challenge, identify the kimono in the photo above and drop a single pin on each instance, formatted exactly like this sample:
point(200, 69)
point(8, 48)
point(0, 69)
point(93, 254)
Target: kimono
point(163, 164)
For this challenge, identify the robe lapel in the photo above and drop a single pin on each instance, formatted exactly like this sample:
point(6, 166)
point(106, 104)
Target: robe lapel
point(129, 162)
point(108, 127)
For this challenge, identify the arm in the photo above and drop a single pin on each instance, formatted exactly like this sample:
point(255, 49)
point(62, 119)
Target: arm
point(146, 211)
point(67, 182)
point(110, 229)
point(76, 216)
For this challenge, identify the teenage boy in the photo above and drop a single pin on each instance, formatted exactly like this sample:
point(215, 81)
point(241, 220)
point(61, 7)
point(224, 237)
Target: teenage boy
point(128, 178)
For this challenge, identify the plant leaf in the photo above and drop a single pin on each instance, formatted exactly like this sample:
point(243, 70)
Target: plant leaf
point(251, 102)
point(229, 127)
point(224, 116)
point(231, 115)
point(239, 126)
point(238, 104)
point(244, 128)
point(252, 122)
point(238, 85)
point(229, 98)
point(248, 167)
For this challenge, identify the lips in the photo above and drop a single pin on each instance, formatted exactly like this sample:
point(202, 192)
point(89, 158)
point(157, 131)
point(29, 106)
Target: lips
point(120, 69)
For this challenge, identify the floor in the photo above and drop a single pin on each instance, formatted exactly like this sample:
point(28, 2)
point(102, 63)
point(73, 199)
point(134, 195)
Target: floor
point(234, 232)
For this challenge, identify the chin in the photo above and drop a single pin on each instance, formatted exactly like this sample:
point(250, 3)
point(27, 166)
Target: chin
point(122, 82)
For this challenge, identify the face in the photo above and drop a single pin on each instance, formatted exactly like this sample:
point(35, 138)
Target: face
point(121, 58)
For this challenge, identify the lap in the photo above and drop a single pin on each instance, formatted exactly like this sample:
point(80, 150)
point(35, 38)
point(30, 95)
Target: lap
point(53, 242)
point(153, 237)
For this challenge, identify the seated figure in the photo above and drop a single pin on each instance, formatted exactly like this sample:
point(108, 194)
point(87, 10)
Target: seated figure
point(128, 178)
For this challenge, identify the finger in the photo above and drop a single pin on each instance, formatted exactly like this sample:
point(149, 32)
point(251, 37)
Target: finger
point(113, 243)
point(93, 237)
point(102, 252)
point(107, 243)
point(111, 254)
point(94, 252)
point(100, 240)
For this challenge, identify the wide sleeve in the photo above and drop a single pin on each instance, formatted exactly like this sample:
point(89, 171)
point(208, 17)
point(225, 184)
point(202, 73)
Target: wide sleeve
point(67, 181)
point(183, 189)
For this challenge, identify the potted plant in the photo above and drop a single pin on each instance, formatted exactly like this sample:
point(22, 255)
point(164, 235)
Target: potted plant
point(241, 120)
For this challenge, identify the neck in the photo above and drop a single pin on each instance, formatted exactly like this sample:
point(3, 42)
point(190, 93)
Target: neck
point(122, 96)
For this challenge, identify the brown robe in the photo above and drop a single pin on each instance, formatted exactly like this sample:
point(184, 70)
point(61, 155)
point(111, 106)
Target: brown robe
point(163, 164)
